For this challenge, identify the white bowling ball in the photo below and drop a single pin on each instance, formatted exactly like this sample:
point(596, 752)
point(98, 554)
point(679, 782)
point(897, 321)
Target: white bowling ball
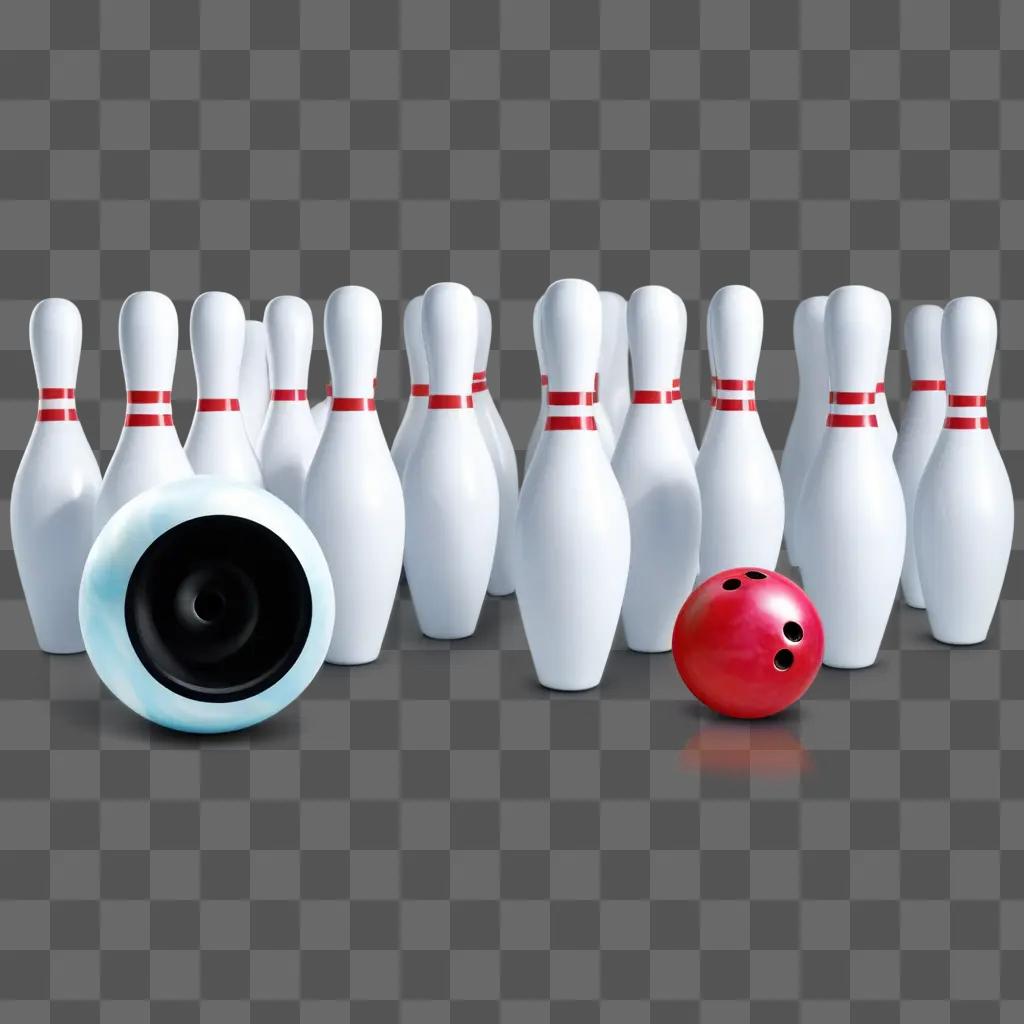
point(206, 606)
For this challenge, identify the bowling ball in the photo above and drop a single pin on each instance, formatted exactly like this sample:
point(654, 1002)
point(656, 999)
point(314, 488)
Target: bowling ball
point(206, 606)
point(748, 643)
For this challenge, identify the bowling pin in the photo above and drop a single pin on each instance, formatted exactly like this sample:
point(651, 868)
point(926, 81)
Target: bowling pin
point(572, 528)
point(416, 408)
point(254, 380)
point(921, 425)
point(217, 443)
point(685, 430)
point(808, 425)
point(851, 521)
point(289, 436)
point(353, 498)
point(148, 451)
point(542, 412)
point(451, 491)
point(657, 477)
point(886, 426)
point(502, 454)
point(53, 498)
point(963, 515)
point(322, 410)
point(613, 364)
point(742, 503)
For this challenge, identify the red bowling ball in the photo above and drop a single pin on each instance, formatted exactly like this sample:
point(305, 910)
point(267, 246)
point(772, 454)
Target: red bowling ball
point(748, 643)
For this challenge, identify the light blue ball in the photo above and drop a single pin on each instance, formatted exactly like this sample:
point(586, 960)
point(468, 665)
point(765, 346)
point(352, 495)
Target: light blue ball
point(128, 535)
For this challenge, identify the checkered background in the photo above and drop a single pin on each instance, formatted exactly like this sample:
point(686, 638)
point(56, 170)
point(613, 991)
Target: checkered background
point(432, 838)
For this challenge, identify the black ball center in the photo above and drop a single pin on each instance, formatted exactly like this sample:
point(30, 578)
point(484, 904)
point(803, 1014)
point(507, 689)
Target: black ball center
point(218, 608)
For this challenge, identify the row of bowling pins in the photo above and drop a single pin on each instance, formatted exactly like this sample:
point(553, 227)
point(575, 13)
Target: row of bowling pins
point(869, 507)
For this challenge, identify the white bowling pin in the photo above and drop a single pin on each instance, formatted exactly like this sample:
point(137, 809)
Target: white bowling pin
point(963, 516)
point(851, 520)
point(921, 425)
point(613, 363)
point(53, 498)
point(451, 491)
point(254, 380)
point(503, 457)
point(657, 477)
point(886, 425)
point(217, 443)
point(685, 430)
point(353, 498)
point(572, 528)
point(808, 425)
point(416, 408)
point(742, 503)
point(289, 436)
point(542, 411)
point(148, 451)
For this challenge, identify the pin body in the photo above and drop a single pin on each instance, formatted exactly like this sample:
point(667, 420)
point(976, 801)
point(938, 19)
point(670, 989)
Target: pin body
point(657, 478)
point(254, 380)
point(685, 429)
point(572, 528)
point(542, 411)
point(613, 363)
point(451, 491)
point(416, 408)
point(742, 504)
point(851, 520)
point(53, 497)
point(353, 498)
point(502, 454)
point(963, 516)
point(289, 436)
point(217, 443)
point(149, 451)
point(808, 426)
point(921, 426)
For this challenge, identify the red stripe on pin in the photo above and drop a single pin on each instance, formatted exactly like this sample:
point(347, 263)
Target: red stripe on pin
point(570, 423)
point(51, 415)
point(217, 405)
point(735, 404)
point(880, 388)
point(353, 405)
point(652, 397)
point(837, 419)
point(52, 393)
point(543, 380)
point(419, 390)
point(570, 398)
point(149, 419)
point(148, 397)
point(450, 402)
point(288, 395)
point(927, 385)
point(966, 401)
point(734, 385)
point(966, 423)
point(852, 397)
point(479, 381)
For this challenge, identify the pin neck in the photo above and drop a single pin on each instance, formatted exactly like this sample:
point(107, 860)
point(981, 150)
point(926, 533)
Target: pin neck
point(570, 398)
point(927, 385)
point(727, 389)
point(288, 395)
point(840, 415)
point(644, 396)
point(52, 413)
